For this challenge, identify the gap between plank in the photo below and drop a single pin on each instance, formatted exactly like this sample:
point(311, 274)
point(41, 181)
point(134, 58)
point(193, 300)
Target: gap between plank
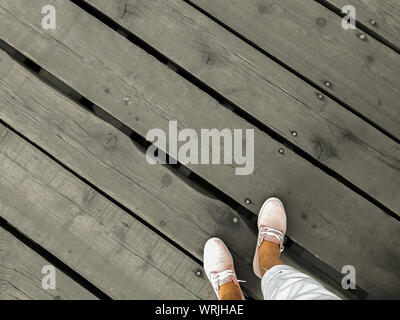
point(360, 26)
point(53, 259)
point(236, 109)
point(142, 144)
point(102, 193)
point(287, 67)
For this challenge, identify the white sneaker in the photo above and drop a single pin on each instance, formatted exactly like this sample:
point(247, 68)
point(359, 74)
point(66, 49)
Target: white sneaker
point(271, 227)
point(218, 265)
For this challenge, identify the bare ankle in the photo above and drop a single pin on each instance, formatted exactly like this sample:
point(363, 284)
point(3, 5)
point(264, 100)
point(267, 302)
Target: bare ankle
point(269, 256)
point(230, 291)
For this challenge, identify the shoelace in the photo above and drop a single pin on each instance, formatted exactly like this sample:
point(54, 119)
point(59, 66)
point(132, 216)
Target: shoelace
point(217, 278)
point(267, 231)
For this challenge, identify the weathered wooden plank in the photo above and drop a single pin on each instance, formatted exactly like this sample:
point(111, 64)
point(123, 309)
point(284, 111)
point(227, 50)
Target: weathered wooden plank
point(106, 157)
point(310, 39)
point(328, 219)
point(382, 17)
point(270, 93)
point(104, 244)
point(21, 274)
point(243, 244)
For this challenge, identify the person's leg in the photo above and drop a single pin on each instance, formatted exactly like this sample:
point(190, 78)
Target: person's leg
point(283, 282)
point(218, 265)
point(268, 256)
point(279, 281)
point(230, 291)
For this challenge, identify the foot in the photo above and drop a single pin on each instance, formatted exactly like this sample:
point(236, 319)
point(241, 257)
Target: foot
point(271, 231)
point(218, 265)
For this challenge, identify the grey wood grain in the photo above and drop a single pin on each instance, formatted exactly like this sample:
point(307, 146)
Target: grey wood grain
point(105, 245)
point(310, 39)
point(328, 219)
point(21, 274)
point(267, 91)
point(110, 160)
point(382, 17)
point(216, 217)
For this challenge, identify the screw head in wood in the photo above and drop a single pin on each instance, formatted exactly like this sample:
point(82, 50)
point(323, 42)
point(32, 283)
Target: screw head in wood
point(373, 22)
point(247, 201)
point(362, 36)
point(294, 133)
point(235, 220)
point(320, 96)
point(328, 84)
point(281, 151)
point(127, 100)
point(199, 273)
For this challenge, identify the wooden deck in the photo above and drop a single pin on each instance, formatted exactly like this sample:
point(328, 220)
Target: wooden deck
point(77, 102)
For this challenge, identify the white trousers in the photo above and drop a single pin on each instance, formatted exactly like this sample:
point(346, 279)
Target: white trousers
point(286, 283)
